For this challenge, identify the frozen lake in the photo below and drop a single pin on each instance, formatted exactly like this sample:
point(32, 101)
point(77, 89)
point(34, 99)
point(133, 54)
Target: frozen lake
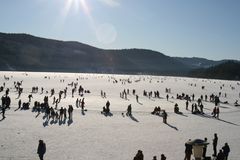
point(94, 136)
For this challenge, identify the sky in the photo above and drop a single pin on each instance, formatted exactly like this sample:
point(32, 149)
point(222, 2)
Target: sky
point(183, 28)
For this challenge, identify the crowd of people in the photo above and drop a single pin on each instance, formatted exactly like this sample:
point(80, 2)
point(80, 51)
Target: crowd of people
point(60, 114)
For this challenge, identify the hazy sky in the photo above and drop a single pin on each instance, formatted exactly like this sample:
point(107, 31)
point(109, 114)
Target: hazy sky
point(185, 28)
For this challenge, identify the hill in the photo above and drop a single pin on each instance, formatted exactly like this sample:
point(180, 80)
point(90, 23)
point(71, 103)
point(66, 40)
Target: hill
point(24, 52)
point(228, 70)
point(196, 62)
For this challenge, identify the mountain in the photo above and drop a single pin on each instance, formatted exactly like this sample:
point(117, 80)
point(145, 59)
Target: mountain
point(23, 52)
point(229, 70)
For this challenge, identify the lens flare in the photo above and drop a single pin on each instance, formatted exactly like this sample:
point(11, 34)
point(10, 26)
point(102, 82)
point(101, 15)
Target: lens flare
point(105, 33)
point(76, 6)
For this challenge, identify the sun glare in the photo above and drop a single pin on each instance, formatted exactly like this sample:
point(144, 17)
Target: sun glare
point(76, 5)
point(105, 32)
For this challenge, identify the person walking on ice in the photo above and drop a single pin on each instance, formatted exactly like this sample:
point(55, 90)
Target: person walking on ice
point(41, 149)
point(164, 115)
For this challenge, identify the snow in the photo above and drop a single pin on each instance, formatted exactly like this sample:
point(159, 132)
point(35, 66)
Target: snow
point(94, 136)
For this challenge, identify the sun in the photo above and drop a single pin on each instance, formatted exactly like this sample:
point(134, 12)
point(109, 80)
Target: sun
point(105, 32)
point(76, 5)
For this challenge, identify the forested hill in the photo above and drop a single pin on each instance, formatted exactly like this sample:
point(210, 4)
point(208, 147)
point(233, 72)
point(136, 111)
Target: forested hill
point(23, 52)
point(29, 53)
point(229, 70)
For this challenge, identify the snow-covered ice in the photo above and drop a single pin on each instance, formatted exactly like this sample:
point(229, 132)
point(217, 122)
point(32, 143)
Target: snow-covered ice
point(94, 136)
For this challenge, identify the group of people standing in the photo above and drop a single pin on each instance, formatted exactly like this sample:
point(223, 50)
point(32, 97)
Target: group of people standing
point(221, 155)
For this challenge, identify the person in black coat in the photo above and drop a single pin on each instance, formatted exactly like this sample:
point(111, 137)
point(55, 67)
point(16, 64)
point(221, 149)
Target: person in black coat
point(188, 151)
point(220, 155)
point(139, 156)
point(3, 112)
point(215, 141)
point(163, 157)
point(204, 148)
point(41, 149)
point(129, 110)
point(164, 115)
point(8, 102)
point(226, 151)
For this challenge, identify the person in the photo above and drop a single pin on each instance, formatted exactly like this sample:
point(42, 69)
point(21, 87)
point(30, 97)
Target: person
point(19, 103)
point(65, 113)
point(204, 148)
point(137, 98)
point(216, 100)
point(41, 149)
point(217, 112)
point(61, 114)
point(188, 151)
point(156, 110)
point(107, 110)
point(3, 112)
point(187, 103)
point(47, 111)
point(139, 156)
point(220, 155)
point(193, 107)
point(163, 157)
point(164, 115)
point(154, 157)
point(226, 150)
point(176, 109)
point(129, 110)
point(77, 103)
point(214, 112)
point(215, 140)
point(8, 102)
point(29, 97)
point(201, 108)
point(82, 104)
point(70, 110)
